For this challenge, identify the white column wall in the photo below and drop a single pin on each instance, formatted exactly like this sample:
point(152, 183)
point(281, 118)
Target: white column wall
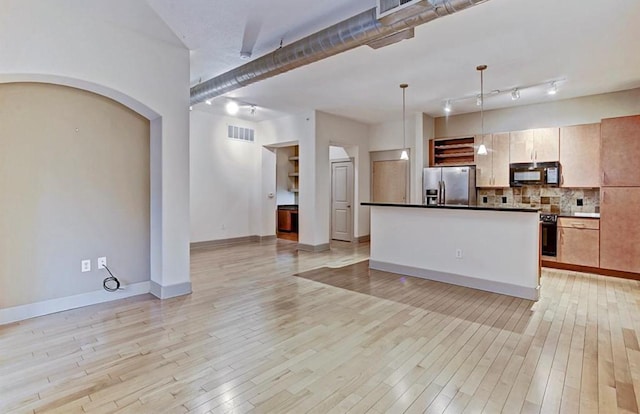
point(388, 136)
point(336, 130)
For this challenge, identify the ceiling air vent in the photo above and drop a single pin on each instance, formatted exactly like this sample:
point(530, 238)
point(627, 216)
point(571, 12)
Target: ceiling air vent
point(393, 11)
point(241, 134)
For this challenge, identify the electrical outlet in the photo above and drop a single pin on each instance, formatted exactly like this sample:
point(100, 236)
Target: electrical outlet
point(458, 253)
point(102, 262)
point(85, 265)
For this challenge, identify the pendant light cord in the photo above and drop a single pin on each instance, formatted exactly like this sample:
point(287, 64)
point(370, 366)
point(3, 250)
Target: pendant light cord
point(404, 121)
point(482, 103)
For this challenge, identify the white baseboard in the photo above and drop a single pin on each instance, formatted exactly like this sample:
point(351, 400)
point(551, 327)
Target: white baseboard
point(503, 288)
point(170, 291)
point(31, 310)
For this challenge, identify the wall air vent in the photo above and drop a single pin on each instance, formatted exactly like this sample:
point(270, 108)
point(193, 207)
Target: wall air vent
point(241, 134)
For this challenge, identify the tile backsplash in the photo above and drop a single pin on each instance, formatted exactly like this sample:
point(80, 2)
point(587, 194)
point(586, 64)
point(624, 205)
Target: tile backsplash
point(547, 199)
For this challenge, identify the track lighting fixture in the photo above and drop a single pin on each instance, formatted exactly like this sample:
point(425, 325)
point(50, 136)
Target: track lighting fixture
point(208, 101)
point(550, 87)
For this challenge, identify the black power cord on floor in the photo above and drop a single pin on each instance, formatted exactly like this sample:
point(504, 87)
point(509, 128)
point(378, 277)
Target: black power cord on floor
point(110, 284)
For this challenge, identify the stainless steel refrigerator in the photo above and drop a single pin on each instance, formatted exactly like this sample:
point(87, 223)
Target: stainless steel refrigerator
point(449, 186)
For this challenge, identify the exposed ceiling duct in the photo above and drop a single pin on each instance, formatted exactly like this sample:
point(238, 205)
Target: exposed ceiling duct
point(361, 29)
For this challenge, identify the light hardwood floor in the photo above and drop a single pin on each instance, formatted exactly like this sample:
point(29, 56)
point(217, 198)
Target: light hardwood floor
point(253, 337)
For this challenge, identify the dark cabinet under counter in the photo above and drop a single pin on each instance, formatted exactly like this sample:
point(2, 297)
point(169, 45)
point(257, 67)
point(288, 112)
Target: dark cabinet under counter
point(288, 218)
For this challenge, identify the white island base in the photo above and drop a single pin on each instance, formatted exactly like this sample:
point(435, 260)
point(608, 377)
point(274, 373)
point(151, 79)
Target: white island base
point(496, 250)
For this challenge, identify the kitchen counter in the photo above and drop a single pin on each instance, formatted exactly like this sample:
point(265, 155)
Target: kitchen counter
point(453, 207)
point(581, 215)
point(491, 249)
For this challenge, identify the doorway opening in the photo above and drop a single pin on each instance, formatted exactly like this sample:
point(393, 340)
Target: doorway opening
point(287, 190)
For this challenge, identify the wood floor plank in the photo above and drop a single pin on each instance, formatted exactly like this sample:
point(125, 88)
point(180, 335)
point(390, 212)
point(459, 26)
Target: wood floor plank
point(271, 329)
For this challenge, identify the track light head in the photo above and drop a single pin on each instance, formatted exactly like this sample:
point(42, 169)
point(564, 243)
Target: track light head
point(447, 106)
point(515, 94)
point(553, 89)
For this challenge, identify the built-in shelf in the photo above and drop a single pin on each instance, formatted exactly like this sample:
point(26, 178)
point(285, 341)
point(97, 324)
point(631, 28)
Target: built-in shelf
point(456, 155)
point(453, 146)
point(452, 151)
point(294, 168)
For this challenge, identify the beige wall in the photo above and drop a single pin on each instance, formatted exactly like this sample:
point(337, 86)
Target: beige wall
point(584, 110)
point(74, 184)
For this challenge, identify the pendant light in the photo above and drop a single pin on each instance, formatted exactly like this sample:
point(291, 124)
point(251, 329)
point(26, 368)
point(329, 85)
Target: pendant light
point(482, 149)
point(404, 155)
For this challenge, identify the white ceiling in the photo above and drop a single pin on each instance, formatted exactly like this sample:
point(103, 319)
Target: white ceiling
point(593, 44)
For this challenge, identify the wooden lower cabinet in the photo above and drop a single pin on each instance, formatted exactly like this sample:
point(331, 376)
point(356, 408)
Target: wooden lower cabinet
point(579, 246)
point(620, 228)
point(284, 220)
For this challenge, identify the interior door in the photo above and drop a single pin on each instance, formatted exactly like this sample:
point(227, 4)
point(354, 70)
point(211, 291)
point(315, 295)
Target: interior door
point(389, 181)
point(342, 200)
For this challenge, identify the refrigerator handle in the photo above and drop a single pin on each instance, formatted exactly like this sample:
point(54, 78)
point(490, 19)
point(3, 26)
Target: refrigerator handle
point(444, 192)
point(439, 192)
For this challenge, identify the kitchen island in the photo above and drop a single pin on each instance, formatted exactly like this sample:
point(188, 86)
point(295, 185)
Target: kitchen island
point(492, 249)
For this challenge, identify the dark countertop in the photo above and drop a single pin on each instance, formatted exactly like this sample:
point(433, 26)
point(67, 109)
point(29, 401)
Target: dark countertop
point(288, 207)
point(448, 207)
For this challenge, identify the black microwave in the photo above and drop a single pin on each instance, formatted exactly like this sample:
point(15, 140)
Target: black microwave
point(535, 173)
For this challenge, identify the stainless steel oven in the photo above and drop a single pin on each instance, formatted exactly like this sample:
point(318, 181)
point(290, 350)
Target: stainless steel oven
point(549, 238)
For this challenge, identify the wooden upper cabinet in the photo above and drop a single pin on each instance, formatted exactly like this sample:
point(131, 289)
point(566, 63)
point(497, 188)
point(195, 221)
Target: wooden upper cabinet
point(484, 172)
point(580, 155)
point(521, 146)
point(492, 170)
point(546, 144)
point(620, 152)
point(500, 146)
point(620, 229)
point(541, 145)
